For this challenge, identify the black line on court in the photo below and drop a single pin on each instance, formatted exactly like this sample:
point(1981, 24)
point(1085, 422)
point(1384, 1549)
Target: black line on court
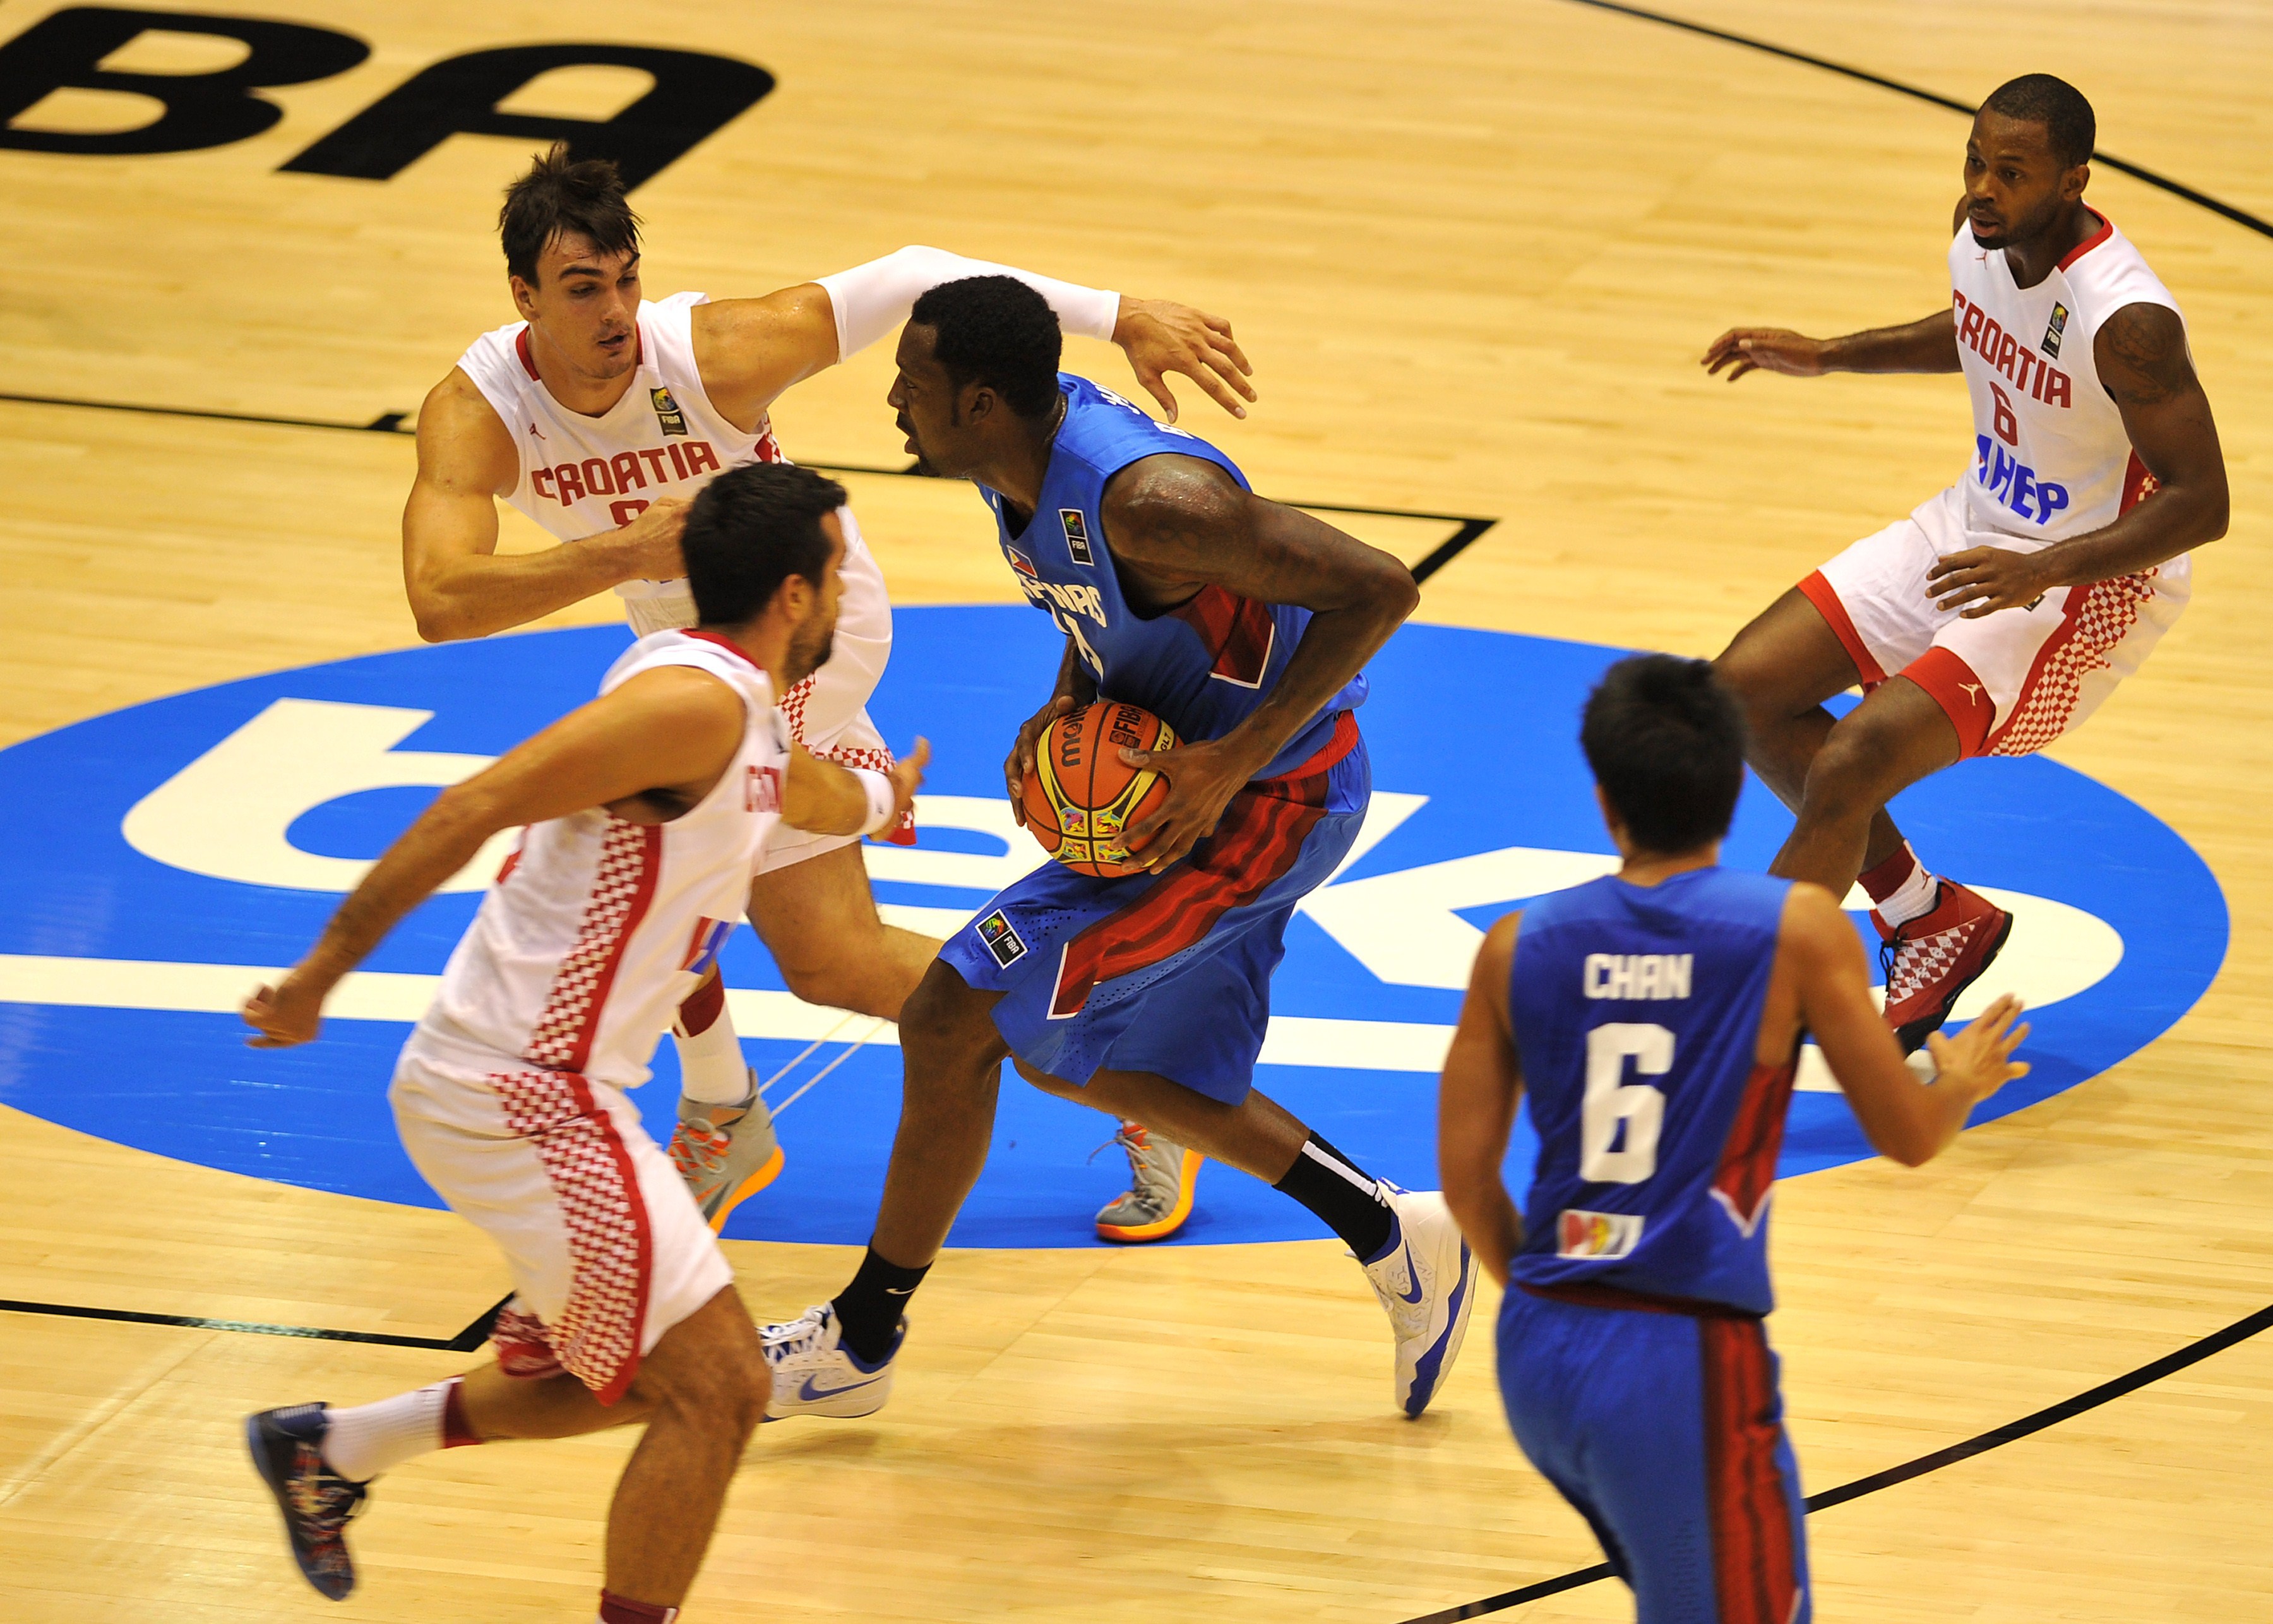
point(2067, 1409)
point(464, 1341)
point(2239, 217)
point(399, 423)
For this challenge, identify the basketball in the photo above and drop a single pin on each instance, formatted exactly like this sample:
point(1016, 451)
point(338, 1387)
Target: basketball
point(1081, 795)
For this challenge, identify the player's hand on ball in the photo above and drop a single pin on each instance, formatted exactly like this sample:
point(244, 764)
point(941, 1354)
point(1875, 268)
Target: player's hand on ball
point(1020, 761)
point(1773, 350)
point(1982, 580)
point(907, 777)
point(1161, 336)
point(286, 1015)
point(1979, 1060)
point(652, 537)
point(1202, 780)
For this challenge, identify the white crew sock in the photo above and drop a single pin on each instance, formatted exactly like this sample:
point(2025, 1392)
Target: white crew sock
point(1913, 898)
point(712, 1069)
point(366, 1439)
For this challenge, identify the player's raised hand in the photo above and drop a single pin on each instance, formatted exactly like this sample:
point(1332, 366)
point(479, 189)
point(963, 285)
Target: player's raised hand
point(1020, 761)
point(1982, 580)
point(284, 1016)
point(907, 777)
point(1203, 777)
point(1161, 336)
point(1978, 1061)
point(1774, 349)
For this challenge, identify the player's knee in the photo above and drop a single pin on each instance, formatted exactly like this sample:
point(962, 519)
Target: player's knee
point(1848, 776)
point(945, 1019)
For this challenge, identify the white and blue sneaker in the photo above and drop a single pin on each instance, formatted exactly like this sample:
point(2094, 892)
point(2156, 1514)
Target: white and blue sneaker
point(815, 1374)
point(1427, 1284)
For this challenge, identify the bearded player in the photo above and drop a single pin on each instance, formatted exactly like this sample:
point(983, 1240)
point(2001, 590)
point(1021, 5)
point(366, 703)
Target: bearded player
point(644, 812)
point(1245, 625)
point(2004, 610)
point(597, 415)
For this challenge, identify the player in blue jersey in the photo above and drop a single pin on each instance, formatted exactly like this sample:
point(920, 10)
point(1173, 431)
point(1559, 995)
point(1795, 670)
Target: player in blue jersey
point(1244, 625)
point(1655, 1018)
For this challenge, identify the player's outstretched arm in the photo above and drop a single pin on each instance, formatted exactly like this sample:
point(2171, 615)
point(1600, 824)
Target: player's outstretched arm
point(1177, 524)
point(672, 730)
point(458, 585)
point(1927, 345)
point(1904, 1119)
point(1475, 1107)
point(2140, 352)
point(823, 798)
point(749, 350)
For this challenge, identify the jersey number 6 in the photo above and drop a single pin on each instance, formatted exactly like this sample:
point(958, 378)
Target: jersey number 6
point(1611, 1099)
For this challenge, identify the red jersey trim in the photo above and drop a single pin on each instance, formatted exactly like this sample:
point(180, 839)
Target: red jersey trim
point(1820, 592)
point(731, 648)
point(619, 1382)
point(521, 348)
point(2106, 230)
point(1958, 689)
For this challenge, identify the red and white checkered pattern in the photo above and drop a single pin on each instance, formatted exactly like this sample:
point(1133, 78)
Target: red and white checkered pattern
point(523, 1346)
point(793, 709)
point(1921, 962)
point(596, 1338)
point(563, 1032)
point(2110, 610)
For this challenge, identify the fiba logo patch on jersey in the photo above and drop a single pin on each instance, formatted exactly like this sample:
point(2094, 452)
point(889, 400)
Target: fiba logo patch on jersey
point(1076, 535)
point(1580, 1234)
point(2056, 326)
point(667, 415)
point(1001, 938)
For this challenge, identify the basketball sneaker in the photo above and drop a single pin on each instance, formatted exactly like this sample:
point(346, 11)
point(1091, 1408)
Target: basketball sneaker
point(1930, 959)
point(815, 1374)
point(287, 1451)
point(1427, 1283)
point(725, 1152)
point(1162, 1178)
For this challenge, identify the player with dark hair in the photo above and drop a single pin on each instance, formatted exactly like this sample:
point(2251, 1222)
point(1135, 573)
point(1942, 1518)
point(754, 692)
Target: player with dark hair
point(643, 812)
point(2002, 613)
point(598, 414)
point(1654, 1015)
point(1245, 625)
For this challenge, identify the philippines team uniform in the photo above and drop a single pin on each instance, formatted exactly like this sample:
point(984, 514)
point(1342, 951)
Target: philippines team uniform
point(582, 476)
point(1633, 1360)
point(510, 1094)
point(1168, 973)
point(2050, 460)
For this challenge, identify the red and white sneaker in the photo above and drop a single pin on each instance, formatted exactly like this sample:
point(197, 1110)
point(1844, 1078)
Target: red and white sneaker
point(1930, 959)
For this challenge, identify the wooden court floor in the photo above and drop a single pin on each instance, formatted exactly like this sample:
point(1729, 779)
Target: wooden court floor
point(1473, 249)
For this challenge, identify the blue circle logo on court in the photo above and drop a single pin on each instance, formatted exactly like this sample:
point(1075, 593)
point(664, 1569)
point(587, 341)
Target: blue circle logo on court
point(163, 859)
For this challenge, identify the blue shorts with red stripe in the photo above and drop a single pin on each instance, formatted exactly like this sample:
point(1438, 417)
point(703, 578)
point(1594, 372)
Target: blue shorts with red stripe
point(1666, 1432)
point(1170, 973)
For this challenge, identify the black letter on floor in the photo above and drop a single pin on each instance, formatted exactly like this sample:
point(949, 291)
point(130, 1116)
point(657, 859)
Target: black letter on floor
point(694, 95)
point(62, 52)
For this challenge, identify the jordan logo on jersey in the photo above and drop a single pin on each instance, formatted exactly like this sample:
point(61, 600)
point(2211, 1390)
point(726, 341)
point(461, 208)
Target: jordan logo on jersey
point(1076, 534)
point(667, 414)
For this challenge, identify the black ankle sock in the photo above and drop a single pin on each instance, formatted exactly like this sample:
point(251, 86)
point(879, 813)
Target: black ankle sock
point(1335, 1188)
point(869, 1309)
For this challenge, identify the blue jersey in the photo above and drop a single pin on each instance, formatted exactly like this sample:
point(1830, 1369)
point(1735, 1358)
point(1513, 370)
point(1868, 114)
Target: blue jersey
point(1637, 1019)
point(1201, 667)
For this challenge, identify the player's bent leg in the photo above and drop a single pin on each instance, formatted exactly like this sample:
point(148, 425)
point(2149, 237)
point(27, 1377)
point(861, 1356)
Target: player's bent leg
point(705, 1385)
point(724, 1145)
point(1898, 735)
point(818, 918)
point(1256, 1134)
point(1781, 667)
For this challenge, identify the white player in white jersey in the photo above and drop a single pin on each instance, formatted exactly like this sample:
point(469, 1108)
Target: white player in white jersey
point(597, 415)
point(2004, 610)
point(646, 813)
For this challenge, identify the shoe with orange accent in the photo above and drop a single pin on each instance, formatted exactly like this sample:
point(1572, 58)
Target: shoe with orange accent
point(1162, 1179)
point(1930, 959)
point(725, 1152)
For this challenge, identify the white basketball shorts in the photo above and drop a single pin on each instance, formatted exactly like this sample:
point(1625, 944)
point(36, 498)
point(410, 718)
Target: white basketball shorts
point(605, 1245)
point(2012, 681)
point(828, 711)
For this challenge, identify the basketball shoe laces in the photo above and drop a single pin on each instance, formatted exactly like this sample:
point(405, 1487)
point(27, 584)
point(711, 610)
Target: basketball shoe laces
point(1134, 1141)
point(801, 1334)
point(325, 1503)
point(700, 1157)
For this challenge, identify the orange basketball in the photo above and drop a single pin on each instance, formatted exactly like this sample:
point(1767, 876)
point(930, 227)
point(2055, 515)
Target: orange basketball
point(1081, 794)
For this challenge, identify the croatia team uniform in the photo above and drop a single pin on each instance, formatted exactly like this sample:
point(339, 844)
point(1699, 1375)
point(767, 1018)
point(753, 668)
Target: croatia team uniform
point(581, 476)
point(1634, 1363)
point(509, 1094)
point(1168, 973)
point(2051, 460)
